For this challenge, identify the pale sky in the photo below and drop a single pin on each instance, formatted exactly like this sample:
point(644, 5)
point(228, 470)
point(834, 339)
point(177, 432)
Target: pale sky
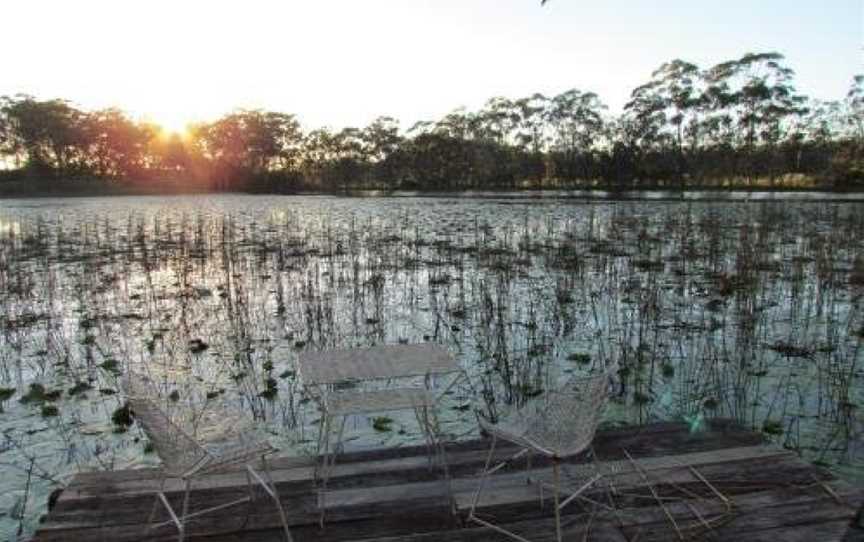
point(345, 62)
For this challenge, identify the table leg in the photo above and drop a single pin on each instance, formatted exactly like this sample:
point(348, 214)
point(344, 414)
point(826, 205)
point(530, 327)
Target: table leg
point(329, 463)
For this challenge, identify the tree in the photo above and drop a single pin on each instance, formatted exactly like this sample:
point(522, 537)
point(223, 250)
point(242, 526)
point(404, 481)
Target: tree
point(246, 144)
point(381, 139)
point(47, 133)
point(855, 108)
point(498, 120)
point(115, 145)
point(576, 119)
point(11, 145)
point(758, 90)
point(531, 123)
point(671, 106)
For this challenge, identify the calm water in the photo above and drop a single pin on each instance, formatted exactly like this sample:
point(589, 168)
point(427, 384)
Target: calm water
point(743, 309)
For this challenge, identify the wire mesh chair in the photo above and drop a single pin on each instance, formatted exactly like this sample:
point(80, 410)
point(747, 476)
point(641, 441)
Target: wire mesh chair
point(557, 425)
point(188, 458)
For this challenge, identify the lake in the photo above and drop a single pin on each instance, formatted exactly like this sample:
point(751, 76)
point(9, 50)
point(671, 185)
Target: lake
point(747, 309)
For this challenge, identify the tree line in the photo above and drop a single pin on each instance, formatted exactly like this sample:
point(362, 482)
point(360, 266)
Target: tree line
point(741, 123)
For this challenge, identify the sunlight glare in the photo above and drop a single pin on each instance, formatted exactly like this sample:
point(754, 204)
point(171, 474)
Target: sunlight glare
point(172, 123)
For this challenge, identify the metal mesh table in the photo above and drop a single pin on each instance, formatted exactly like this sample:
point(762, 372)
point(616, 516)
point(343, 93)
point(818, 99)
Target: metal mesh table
point(327, 374)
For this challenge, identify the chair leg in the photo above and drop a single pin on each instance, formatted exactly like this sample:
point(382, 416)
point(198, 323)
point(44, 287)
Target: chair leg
point(156, 501)
point(437, 451)
point(487, 471)
point(323, 446)
point(421, 414)
point(275, 495)
point(328, 466)
point(250, 490)
point(483, 476)
point(185, 512)
point(556, 480)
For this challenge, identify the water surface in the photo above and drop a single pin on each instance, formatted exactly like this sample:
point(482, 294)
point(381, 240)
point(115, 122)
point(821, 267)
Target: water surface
point(744, 309)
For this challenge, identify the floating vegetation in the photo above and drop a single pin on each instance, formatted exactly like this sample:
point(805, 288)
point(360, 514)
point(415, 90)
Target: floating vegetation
point(581, 358)
point(79, 388)
point(122, 417)
point(196, 346)
point(791, 351)
point(772, 427)
point(382, 424)
point(6, 394)
point(38, 394)
point(110, 365)
point(667, 370)
point(214, 394)
point(271, 389)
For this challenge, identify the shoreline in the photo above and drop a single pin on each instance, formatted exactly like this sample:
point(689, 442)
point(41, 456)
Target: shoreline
point(696, 194)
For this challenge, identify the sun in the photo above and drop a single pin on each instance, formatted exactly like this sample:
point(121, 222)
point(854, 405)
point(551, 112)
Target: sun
point(169, 122)
point(173, 124)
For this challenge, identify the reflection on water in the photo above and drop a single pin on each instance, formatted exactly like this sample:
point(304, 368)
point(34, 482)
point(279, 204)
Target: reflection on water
point(749, 310)
point(9, 228)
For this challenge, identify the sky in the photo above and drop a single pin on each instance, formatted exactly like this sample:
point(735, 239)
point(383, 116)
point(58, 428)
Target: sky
point(343, 63)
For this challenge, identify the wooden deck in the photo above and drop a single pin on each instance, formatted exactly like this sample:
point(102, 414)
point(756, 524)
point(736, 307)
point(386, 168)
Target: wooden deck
point(390, 495)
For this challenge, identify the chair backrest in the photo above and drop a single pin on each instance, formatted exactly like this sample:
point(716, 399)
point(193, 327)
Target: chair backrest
point(178, 451)
point(563, 421)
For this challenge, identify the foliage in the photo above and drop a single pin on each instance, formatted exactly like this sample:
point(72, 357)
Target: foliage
point(741, 122)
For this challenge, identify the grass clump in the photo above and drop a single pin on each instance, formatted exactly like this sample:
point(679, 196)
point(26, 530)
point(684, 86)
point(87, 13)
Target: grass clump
point(5, 395)
point(196, 346)
point(38, 394)
point(580, 358)
point(271, 389)
point(122, 418)
point(772, 427)
point(382, 424)
point(79, 388)
point(110, 365)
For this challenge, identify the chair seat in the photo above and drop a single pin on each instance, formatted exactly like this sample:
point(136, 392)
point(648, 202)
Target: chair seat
point(361, 402)
point(232, 455)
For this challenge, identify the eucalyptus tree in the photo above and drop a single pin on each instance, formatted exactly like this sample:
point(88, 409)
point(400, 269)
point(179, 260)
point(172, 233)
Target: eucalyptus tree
point(286, 140)
point(458, 124)
point(116, 145)
point(248, 143)
point(666, 110)
point(531, 124)
point(855, 109)
point(758, 91)
point(48, 133)
point(382, 140)
point(318, 151)
point(351, 157)
point(499, 119)
point(644, 118)
point(11, 145)
point(576, 122)
point(172, 156)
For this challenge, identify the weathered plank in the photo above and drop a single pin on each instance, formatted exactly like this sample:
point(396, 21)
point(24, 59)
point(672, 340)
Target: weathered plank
point(391, 495)
point(464, 457)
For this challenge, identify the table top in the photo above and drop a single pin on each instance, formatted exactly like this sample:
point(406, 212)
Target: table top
point(379, 362)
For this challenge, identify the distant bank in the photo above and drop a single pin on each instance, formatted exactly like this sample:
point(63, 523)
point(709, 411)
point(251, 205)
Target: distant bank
point(36, 188)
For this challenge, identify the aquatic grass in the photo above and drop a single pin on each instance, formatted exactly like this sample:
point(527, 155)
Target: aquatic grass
point(742, 310)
